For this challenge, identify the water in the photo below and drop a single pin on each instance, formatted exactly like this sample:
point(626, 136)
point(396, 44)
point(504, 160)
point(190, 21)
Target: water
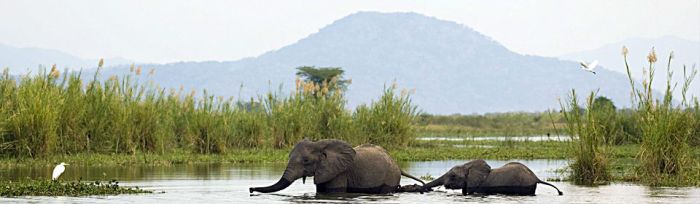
point(534, 138)
point(226, 183)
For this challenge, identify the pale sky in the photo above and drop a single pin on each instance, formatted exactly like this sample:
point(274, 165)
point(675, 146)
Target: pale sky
point(182, 30)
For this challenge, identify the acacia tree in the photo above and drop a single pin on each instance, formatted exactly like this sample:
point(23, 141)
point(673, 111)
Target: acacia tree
point(326, 77)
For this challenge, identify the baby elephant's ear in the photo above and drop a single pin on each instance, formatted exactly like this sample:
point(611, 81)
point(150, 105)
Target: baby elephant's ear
point(477, 172)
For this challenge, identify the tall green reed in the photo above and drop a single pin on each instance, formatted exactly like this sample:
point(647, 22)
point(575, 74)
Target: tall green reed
point(695, 137)
point(666, 125)
point(388, 121)
point(588, 129)
point(35, 114)
point(7, 97)
point(311, 112)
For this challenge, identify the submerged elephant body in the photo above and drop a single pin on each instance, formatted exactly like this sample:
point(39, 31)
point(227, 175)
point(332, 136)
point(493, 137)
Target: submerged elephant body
point(372, 171)
point(476, 176)
point(513, 178)
point(337, 168)
point(364, 175)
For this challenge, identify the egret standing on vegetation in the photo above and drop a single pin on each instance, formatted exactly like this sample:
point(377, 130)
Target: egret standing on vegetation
point(58, 170)
point(589, 66)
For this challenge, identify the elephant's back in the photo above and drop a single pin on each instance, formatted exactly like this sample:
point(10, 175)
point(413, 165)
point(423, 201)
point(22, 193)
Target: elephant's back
point(373, 168)
point(511, 174)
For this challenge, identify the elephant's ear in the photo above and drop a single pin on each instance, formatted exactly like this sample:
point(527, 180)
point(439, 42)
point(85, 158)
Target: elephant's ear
point(337, 157)
point(477, 172)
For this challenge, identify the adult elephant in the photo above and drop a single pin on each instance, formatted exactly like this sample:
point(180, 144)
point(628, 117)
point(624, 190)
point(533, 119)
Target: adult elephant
point(477, 176)
point(337, 167)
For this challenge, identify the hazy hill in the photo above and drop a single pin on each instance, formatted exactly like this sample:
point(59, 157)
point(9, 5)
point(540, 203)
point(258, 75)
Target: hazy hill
point(452, 68)
point(686, 52)
point(21, 60)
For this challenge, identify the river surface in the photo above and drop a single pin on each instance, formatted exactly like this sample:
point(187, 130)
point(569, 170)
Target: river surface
point(534, 138)
point(229, 183)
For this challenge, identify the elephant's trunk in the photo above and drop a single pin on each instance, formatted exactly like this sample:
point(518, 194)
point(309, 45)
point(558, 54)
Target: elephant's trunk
point(465, 186)
point(290, 175)
point(437, 182)
point(281, 184)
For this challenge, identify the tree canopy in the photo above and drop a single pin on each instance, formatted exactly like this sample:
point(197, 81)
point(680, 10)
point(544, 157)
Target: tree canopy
point(331, 77)
point(603, 102)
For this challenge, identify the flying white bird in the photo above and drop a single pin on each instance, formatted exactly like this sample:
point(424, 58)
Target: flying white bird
point(589, 66)
point(58, 170)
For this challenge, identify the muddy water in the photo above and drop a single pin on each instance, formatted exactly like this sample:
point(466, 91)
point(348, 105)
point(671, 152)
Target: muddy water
point(227, 183)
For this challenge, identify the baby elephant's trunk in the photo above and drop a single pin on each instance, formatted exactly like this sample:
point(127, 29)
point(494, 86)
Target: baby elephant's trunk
point(436, 182)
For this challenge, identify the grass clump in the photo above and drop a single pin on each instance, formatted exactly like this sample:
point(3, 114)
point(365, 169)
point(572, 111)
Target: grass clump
point(588, 129)
point(312, 111)
point(30, 187)
point(389, 120)
point(695, 137)
point(667, 126)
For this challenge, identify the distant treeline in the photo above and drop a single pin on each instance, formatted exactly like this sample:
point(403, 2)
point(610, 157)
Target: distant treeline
point(531, 123)
point(501, 124)
point(52, 113)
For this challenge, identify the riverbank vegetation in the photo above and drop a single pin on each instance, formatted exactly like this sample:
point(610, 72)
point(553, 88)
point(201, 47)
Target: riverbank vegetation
point(665, 128)
point(48, 113)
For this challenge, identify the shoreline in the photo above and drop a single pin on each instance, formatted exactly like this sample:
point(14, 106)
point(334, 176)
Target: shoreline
point(419, 151)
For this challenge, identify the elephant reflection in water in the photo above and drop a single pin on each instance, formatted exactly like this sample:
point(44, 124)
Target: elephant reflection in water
point(339, 168)
point(477, 176)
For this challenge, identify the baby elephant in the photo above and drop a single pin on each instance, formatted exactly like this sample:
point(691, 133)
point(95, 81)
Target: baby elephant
point(476, 176)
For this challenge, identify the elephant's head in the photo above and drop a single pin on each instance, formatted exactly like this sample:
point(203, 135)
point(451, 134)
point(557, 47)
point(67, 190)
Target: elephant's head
point(323, 160)
point(470, 174)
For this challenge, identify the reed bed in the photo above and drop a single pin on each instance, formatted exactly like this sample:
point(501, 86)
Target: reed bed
point(667, 125)
point(50, 113)
point(391, 116)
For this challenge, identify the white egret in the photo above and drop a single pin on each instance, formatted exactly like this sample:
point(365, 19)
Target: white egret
point(58, 170)
point(589, 66)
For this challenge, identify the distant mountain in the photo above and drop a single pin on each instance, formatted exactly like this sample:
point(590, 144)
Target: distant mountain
point(21, 60)
point(686, 52)
point(452, 68)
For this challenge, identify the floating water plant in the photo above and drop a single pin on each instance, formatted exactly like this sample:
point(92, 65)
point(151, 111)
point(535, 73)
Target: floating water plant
point(30, 187)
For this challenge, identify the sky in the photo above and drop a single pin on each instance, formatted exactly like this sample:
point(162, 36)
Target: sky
point(183, 30)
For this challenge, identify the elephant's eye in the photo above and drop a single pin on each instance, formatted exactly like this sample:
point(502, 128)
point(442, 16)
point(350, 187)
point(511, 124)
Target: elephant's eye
point(306, 160)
